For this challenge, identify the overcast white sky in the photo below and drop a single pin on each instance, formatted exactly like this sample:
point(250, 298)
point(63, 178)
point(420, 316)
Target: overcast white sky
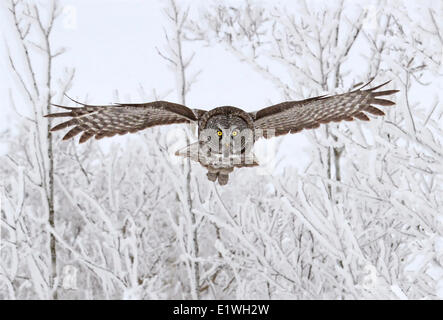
point(112, 45)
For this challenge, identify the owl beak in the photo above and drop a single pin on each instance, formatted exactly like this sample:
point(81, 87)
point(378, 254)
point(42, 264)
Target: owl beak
point(227, 145)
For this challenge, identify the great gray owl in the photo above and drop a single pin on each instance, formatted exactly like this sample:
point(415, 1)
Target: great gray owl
point(226, 134)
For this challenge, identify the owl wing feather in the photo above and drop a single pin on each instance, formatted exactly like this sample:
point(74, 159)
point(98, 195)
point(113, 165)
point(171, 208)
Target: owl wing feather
point(108, 120)
point(294, 116)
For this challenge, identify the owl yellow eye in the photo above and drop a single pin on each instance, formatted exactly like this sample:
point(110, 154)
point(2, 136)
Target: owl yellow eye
point(234, 133)
point(219, 133)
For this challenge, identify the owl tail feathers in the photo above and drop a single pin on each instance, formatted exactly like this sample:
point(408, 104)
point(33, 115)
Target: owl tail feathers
point(189, 151)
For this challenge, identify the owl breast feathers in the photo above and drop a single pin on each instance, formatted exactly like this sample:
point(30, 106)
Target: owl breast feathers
point(226, 134)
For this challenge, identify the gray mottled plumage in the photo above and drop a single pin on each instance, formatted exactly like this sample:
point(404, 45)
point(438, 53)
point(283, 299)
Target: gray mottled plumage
point(221, 154)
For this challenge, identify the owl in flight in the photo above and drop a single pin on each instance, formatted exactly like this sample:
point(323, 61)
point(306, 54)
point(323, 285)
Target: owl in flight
point(226, 134)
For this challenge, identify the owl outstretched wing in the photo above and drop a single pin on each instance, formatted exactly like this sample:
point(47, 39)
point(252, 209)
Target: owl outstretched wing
point(108, 120)
point(294, 116)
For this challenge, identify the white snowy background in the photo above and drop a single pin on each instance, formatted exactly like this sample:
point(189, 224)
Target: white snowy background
point(348, 211)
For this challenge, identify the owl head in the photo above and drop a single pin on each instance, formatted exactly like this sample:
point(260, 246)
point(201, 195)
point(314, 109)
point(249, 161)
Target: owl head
point(227, 131)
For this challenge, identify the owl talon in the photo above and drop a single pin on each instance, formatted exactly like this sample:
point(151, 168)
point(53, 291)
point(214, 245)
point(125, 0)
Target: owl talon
point(223, 179)
point(212, 176)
